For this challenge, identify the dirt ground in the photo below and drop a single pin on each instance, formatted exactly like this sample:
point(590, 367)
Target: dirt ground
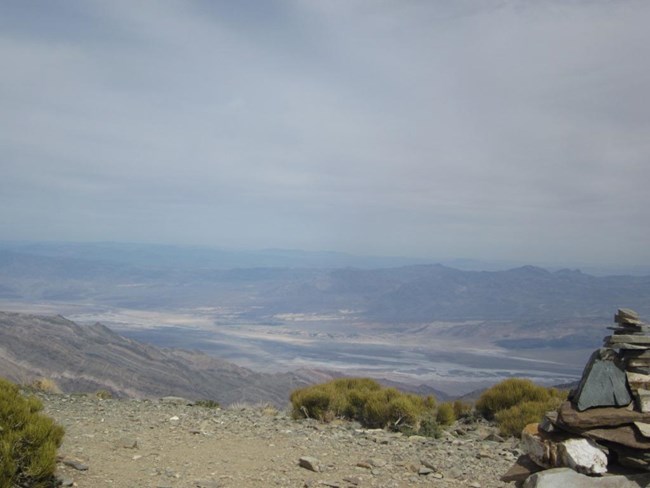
point(140, 443)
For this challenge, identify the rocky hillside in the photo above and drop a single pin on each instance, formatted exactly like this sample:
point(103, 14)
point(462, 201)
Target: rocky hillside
point(135, 443)
point(91, 358)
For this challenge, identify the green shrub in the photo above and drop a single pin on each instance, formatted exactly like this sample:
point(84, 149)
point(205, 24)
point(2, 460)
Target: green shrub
point(512, 420)
point(445, 415)
point(429, 426)
point(207, 404)
point(103, 394)
point(509, 393)
point(363, 400)
point(44, 385)
point(462, 409)
point(28, 440)
point(515, 402)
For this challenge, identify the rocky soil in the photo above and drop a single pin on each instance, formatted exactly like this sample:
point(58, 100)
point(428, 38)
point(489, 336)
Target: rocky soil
point(168, 444)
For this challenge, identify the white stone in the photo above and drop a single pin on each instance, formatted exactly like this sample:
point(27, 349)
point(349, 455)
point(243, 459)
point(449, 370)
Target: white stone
point(582, 455)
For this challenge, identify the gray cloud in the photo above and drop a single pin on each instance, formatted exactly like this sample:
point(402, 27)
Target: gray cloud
point(499, 129)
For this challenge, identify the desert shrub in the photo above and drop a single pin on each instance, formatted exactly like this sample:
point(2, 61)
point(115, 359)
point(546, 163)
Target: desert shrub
point(462, 409)
point(512, 420)
point(44, 385)
point(205, 403)
point(28, 440)
point(363, 400)
point(515, 402)
point(405, 409)
point(429, 425)
point(509, 393)
point(445, 415)
point(103, 394)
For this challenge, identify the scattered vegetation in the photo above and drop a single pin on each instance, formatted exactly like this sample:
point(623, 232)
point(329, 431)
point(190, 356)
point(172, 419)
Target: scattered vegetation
point(103, 394)
point(207, 404)
point(446, 415)
point(515, 402)
point(367, 402)
point(28, 441)
point(462, 409)
point(44, 385)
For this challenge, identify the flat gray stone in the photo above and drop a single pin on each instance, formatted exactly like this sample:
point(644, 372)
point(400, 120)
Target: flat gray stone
point(624, 345)
point(603, 382)
point(631, 339)
point(565, 477)
point(626, 314)
point(174, 400)
point(569, 418)
point(74, 464)
point(310, 463)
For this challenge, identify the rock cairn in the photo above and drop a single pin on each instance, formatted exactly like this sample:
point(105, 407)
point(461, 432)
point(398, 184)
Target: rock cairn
point(601, 435)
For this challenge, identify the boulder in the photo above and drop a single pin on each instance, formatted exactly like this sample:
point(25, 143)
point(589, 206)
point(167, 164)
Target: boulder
point(603, 382)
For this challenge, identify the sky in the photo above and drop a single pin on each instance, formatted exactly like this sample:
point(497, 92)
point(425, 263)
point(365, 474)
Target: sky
point(489, 129)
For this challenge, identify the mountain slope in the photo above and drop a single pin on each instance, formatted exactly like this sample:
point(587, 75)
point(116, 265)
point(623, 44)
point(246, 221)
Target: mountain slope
point(89, 358)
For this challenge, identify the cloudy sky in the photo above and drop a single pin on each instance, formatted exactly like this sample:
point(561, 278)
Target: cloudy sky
point(487, 129)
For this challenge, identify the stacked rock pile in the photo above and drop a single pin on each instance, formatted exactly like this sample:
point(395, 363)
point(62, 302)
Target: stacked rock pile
point(601, 435)
point(632, 339)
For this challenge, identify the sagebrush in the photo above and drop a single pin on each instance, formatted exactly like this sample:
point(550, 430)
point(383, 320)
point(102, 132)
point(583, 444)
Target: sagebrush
point(28, 440)
point(367, 402)
point(516, 402)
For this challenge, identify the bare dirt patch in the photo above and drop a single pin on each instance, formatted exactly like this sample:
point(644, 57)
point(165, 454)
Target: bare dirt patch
point(139, 443)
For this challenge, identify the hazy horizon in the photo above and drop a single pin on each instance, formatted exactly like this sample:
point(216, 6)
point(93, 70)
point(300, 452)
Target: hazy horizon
point(498, 131)
point(136, 253)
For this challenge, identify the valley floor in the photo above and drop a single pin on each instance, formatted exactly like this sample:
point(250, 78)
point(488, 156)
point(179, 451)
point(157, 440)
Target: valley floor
point(140, 443)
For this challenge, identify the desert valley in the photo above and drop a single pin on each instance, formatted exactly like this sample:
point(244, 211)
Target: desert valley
point(431, 327)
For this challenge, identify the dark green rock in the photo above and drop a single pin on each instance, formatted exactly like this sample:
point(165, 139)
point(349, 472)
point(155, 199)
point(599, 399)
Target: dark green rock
point(603, 382)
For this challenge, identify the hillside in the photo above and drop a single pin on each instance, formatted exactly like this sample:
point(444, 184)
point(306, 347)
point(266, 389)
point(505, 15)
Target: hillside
point(90, 358)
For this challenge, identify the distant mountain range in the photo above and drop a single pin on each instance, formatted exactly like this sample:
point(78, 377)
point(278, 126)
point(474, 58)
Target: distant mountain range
point(293, 316)
point(405, 294)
